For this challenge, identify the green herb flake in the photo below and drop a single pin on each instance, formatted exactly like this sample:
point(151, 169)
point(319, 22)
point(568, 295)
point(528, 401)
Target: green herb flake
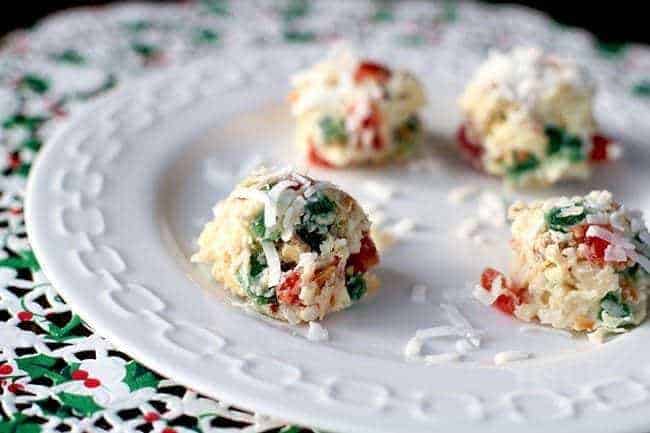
point(560, 223)
point(258, 229)
point(333, 130)
point(319, 204)
point(562, 143)
point(319, 216)
point(257, 265)
point(356, 286)
point(530, 163)
point(613, 306)
point(257, 226)
point(406, 135)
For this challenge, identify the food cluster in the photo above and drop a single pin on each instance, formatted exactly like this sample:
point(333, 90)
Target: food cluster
point(579, 263)
point(297, 249)
point(351, 111)
point(528, 117)
point(294, 248)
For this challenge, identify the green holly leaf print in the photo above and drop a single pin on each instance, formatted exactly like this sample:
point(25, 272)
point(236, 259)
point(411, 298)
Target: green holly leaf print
point(450, 11)
point(71, 57)
point(642, 88)
point(20, 120)
point(206, 36)
point(60, 334)
point(295, 9)
point(24, 260)
point(69, 369)
point(611, 50)
point(147, 51)
point(411, 40)
point(138, 377)
point(290, 429)
point(83, 405)
point(138, 25)
point(19, 424)
point(32, 143)
point(23, 170)
point(299, 36)
point(40, 365)
point(108, 84)
point(35, 83)
point(216, 7)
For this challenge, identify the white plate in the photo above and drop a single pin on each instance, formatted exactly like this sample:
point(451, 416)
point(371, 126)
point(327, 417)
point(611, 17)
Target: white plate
point(117, 198)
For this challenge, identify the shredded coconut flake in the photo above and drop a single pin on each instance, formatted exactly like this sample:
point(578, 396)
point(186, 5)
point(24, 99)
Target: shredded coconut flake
point(526, 329)
point(402, 228)
point(442, 358)
point(270, 208)
point(492, 209)
point(273, 262)
point(381, 191)
point(461, 193)
point(317, 332)
point(643, 261)
point(419, 294)
point(439, 331)
point(614, 253)
point(468, 228)
point(510, 356)
point(482, 295)
point(463, 346)
point(571, 211)
point(413, 348)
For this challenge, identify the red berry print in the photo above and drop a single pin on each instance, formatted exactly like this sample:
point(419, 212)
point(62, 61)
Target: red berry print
point(151, 416)
point(15, 387)
point(79, 375)
point(6, 369)
point(25, 316)
point(168, 430)
point(13, 160)
point(92, 383)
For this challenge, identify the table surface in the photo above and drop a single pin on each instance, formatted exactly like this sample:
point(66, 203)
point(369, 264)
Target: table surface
point(56, 374)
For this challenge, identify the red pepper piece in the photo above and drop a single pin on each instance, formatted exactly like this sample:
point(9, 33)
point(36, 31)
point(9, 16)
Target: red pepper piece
point(366, 258)
point(372, 71)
